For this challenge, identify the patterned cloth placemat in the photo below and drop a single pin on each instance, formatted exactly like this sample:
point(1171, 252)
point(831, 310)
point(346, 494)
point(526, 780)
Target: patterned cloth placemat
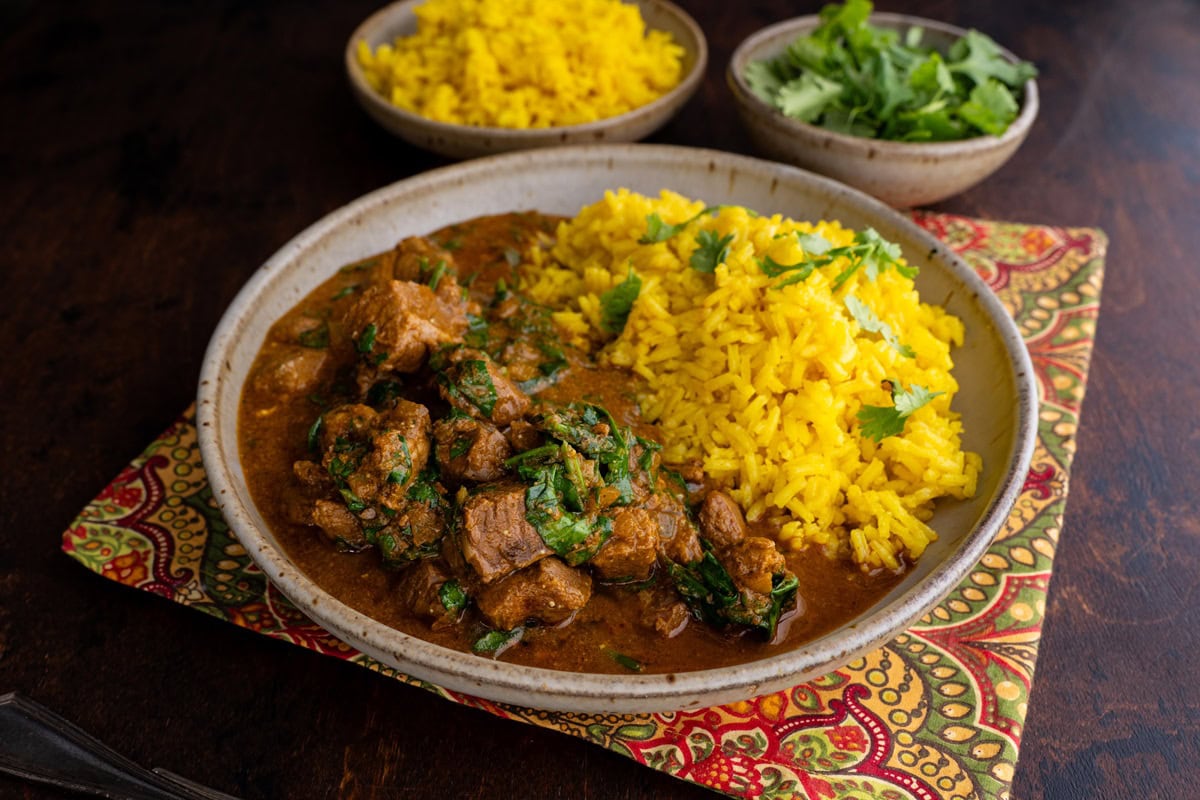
point(936, 713)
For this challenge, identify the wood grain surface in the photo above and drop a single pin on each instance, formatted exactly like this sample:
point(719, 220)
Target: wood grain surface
point(152, 155)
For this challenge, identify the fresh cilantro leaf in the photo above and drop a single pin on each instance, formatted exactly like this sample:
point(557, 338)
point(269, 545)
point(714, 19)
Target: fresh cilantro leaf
point(991, 108)
point(711, 250)
point(659, 231)
point(435, 276)
point(931, 76)
point(977, 57)
point(871, 323)
point(316, 338)
point(813, 244)
point(452, 595)
point(617, 302)
point(764, 80)
point(403, 463)
point(631, 664)
point(314, 433)
point(345, 291)
point(366, 339)
point(383, 393)
point(560, 529)
point(806, 97)
point(474, 384)
point(477, 332)
point(880, 422)
point(496, 642)
point(909, 401)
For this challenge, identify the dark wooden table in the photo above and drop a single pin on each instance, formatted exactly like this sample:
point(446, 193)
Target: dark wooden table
point(152, 155)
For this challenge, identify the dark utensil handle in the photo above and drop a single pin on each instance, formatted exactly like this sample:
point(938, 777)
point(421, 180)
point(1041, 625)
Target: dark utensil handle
point(38, 745)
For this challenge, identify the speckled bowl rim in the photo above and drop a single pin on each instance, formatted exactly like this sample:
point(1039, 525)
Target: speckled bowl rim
point(685, 88)
point(961, 148)
point(588, 692)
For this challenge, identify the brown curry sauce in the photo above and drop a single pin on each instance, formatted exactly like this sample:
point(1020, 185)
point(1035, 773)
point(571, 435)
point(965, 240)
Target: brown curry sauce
point(302, 369)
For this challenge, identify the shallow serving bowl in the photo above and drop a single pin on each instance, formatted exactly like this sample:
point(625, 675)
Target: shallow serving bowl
point(467, 141)
point(901, 174)
point(997, 401)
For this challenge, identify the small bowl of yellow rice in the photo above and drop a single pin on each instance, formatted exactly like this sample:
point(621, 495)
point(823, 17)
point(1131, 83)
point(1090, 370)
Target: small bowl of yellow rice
point(467, 78)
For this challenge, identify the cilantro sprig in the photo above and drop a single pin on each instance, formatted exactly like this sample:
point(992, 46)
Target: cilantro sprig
point(711, 250)
point(869, 250)
point(617, 302)
point(854, 78)
point(870, 322)
point(880, 422)
point(659, 231)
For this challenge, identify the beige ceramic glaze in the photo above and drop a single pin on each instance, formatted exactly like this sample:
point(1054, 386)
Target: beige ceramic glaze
point(464, 141)
point(997, 401)
point(901, 174)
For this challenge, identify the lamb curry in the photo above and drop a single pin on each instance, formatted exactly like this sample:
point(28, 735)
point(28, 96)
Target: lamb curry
point(431, 452)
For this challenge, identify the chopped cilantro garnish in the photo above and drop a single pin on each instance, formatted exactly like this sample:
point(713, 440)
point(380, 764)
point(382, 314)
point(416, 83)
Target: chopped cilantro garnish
point(316, 338)
point(345, 290)
point(496, 642)
point(869, 250)
point(366, 339)
point(869, 322)
point(560, 529)
point(477, 332)
point(711, 250)
point(383, 393)
point(403, 463)
point(453, 598)
point(631, 664)
point(617, 302)
point(314, 433)
point(435, 277)
point(460, 447)
point(879, 422)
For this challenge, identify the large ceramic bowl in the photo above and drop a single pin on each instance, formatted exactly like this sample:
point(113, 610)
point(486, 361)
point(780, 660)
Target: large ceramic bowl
point(466, 141)
point(901, 174)
point(996, 400)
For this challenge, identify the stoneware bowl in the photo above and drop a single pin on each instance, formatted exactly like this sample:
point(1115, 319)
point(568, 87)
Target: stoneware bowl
point(996, 401)
point(466, 141)
point(901, 174)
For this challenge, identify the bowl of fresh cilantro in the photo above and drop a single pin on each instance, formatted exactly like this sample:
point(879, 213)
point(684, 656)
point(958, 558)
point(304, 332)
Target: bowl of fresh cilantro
point(907, 109)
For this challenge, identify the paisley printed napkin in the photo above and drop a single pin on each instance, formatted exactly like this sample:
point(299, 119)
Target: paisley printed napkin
point(936, 713)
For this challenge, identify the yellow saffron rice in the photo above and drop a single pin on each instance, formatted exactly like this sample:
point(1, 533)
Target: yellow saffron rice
point(524, 63)
point(761, 387)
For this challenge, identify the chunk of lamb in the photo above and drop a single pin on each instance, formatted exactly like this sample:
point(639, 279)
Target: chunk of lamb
point(419, 591)
point(339, 526)
point(414, 258)
point(663, 611)
point(752, 561)
point(522, 435)
point(376, 454)
point(413, 533)
point(721, 519)
point(470, 450)
point(493, 534)
point(470, 381)
point(396, 325)
point(632, 549)
point(549, 592)
point(679, 540)
point(287, 369)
